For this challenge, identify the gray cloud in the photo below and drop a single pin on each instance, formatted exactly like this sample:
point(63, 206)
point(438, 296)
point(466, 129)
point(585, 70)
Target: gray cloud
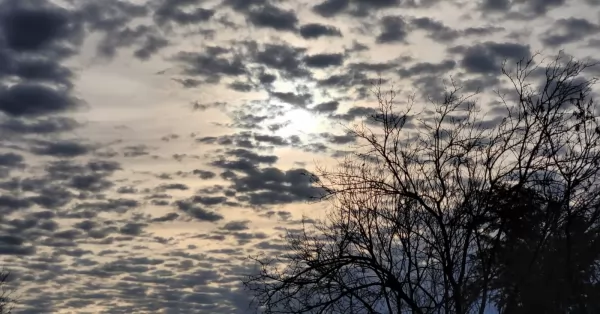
point(487, 57)
point(34, 100)
point(273, 17)
point(393, 30)
point(569, 30)
point(316, 30)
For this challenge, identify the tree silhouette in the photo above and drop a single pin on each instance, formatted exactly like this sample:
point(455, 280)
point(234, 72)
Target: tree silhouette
point(446, 211)
point(546, 262)
point(6, 301)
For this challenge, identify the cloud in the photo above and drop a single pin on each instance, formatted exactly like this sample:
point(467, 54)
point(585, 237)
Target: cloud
point(211, 65)
point(14, 245)
point(29, 99)
point(175, 11)
point(198, 212)
point(158, 214)
point(61, 148)
point(36, 69)
point(325, 107)
point(437, 30)
point(324, 60)
point(33, 28)
point(316, 30)
point(299, 100)
point(48, 125)
point(393, 30)
point(487, 57)
point(428, 68)
point(330, 8)
point(284, 58)
point(11, 160)
point(237, 225)
point(569, 30)
point(270, 16)
point(204, 174)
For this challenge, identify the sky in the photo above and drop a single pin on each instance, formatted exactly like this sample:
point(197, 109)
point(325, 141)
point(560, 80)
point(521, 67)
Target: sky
point(148, 147)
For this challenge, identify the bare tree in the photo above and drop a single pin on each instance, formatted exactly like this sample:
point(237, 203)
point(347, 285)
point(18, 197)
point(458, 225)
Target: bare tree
point(6, 301)
point(427, 209)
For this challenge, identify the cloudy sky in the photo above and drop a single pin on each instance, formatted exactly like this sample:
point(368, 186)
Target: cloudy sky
point(148, 147)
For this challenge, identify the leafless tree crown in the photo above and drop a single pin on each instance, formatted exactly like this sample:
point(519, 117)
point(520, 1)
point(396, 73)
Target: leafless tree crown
point(451, 210)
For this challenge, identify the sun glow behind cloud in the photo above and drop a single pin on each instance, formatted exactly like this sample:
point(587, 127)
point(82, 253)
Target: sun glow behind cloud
point(259, 97)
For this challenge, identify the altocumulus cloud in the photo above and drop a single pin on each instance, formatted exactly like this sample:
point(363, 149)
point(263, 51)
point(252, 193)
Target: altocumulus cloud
point(148, 146)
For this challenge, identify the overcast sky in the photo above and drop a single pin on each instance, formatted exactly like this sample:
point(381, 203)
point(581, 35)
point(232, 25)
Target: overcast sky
point(147, 148)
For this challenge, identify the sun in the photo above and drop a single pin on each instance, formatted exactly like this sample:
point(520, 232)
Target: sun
point(299, 122)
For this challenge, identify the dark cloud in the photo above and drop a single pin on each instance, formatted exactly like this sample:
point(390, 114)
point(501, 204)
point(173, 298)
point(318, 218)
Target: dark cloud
point(324, 60)
point(393, 30)
point(354, 113)
point(127, 190)
point(92, 182)
point(298, 100)
point(173, 186)
point(61, 148)
point(248, 155)
point(244, 5)
point(266, 78)
point(28, 99)
point(428, 68)
point(36, 69)
point(11, 160)
point(338, 139)
point(136, 150)
point(182, 12)
point(132, 229)
point(237, 225)
point(166, 217)
point(286, 59)
point(111, 15)
point(242, 139)
point(14, 245)
point(198, 212)
point(114, 20)
point(211, 65)
point(39, 126)
point(569, 30)
point(189, 83)
point(9, 203)
point(271, 186)
point(436, 29)
point(326, 107)
point(54, 188)
point(270, 16)
point(40, 27)
point(204, 174)
point(487, 57)
point(376, 67)
point(482, 31)
point(208, 200)
point(329, 8)
point(520, 8)
point(92, 209)
point(241, 86)
point(440, 32)
point(122, 38)
point(495, 5)
point(316, 30)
